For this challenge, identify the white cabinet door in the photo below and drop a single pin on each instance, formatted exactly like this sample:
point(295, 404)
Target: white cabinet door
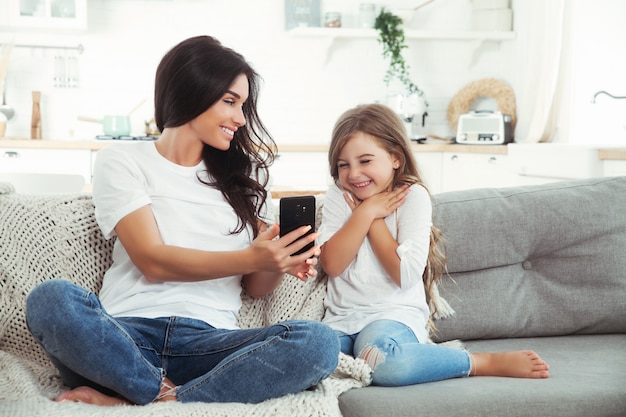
point(429, 165)
point(52, 161)
point(463, 171)
point(614, 168)
point(301, 171)
point(45, 14)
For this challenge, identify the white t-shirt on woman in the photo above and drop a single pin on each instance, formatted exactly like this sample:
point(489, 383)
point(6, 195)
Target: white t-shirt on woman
point(364, 292)
point(128, 176)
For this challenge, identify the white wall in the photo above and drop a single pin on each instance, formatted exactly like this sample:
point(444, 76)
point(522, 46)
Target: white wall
point(307, 81)
point(598, 62)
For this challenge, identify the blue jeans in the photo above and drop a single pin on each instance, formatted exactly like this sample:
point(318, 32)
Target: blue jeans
point(397, 358)
point(129, 355)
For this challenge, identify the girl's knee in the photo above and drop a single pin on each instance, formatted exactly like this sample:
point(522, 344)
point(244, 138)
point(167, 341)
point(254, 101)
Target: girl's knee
point(387, 365)
point(372, 355)
point(382, 351)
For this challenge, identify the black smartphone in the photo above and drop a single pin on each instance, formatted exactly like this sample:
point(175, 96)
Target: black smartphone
point(295, 212)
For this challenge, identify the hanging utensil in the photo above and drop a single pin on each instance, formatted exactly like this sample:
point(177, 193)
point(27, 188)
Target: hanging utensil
point(5, 109)
point(35, 124)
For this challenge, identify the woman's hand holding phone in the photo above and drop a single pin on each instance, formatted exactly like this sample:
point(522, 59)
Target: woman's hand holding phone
point(298, 214)
point(273, 254)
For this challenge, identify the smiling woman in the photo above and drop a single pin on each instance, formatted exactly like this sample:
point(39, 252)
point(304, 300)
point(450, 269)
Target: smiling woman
point(194, 228)
point(226, 115)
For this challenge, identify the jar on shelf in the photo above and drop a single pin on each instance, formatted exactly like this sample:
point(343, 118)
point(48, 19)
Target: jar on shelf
point(332, 20)
point(367, 15)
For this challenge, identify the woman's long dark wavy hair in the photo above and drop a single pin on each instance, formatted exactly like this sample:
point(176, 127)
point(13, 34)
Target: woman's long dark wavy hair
point(193, 76)
point(385, 126)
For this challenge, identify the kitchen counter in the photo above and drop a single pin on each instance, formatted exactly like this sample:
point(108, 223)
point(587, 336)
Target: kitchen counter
point(612, 154)
point(430, 146)
point(95, 145)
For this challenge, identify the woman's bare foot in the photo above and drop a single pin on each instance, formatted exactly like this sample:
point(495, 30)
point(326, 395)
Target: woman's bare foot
point(517, 364)
point(90, 396)
point(168, 391)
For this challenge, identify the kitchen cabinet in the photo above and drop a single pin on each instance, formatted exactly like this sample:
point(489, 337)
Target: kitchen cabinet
point(443, 167)
point(44, 14)
point(461, 171)
point(430, 168)
point(300, 170)
point(46, 161)
point(614, 168)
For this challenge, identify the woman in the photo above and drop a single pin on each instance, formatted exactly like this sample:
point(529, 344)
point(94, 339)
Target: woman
point(190, 213)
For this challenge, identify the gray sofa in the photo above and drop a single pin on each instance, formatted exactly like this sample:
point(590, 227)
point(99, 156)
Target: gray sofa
point(538, 267)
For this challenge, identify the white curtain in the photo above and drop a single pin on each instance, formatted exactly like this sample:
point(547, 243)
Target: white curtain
point(542, 30)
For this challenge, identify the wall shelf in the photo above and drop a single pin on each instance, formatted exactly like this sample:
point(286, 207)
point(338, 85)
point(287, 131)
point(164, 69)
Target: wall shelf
point(475, 39)
point(354, 33)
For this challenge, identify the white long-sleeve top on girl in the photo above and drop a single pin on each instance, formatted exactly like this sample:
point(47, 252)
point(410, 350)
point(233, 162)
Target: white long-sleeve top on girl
point(364, 292)
point(188, 214)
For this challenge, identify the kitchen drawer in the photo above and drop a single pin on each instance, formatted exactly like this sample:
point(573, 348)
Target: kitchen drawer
point(52, 161)
point(463, 171)
point(614, 168)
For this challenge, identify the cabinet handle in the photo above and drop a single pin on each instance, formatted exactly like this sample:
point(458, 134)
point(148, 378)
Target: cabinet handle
point(492, 160)
point(11, 154)
point(454, 157)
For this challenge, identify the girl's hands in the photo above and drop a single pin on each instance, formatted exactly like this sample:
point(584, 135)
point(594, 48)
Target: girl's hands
point(275, 254)
point(306, 269)
point(379, 205)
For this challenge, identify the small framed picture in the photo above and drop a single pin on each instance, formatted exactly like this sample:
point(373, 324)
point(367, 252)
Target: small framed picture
point(302, 13)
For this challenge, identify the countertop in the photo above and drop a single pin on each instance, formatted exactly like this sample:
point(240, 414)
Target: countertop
point(430, 146)
point(95, 145)
point(612, 154)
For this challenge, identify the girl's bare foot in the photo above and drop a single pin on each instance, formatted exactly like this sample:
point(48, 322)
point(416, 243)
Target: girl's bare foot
point(90, 396)
point(517, 364)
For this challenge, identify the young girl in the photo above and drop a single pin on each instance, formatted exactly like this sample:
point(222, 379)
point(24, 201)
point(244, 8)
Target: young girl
point(381, 253)
point(190, 213)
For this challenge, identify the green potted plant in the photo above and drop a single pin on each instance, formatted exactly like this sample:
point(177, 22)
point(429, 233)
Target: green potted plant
point(410, 102)
point(391, 37)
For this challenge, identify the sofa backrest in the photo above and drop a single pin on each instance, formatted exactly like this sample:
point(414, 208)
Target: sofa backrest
point(523, 262)
point(535, 261)
point(43, 237)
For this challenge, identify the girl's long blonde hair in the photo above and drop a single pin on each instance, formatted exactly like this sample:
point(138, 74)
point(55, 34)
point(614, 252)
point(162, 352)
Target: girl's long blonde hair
point(385, 126)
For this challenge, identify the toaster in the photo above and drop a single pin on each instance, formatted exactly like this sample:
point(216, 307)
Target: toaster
point(484, 128)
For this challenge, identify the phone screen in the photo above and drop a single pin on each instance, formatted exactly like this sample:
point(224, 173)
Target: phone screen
point(295, 212)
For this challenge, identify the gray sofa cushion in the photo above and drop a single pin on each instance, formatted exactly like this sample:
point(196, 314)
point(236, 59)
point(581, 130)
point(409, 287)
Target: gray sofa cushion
point(535, 261)
point(587, 379)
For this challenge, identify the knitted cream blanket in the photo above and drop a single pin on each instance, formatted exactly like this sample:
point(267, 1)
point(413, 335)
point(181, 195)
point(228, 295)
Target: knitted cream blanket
point(44, 237)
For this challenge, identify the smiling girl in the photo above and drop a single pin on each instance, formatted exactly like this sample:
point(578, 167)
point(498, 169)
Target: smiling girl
point(383, 258)
point(191, 217)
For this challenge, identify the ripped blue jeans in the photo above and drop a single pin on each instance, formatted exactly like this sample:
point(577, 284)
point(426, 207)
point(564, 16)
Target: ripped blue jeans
point(130, 355)
point(398, 358)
